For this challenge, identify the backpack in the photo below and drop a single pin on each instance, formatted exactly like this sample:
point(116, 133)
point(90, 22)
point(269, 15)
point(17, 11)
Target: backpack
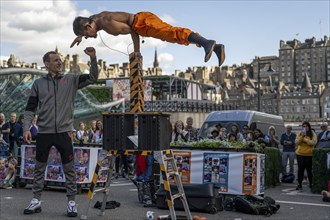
point(288, 178)
point(256, 205)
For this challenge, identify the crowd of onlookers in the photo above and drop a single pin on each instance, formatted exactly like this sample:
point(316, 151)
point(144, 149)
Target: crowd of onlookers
point(293, 145)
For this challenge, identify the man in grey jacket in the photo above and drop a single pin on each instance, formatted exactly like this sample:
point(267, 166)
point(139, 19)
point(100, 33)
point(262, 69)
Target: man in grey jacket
point(53, 95)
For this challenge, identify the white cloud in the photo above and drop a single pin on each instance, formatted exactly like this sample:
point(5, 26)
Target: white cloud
point(166, 61)
point(168, 19)
point(31, 28)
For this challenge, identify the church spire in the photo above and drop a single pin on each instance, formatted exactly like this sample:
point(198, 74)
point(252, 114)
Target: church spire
point(156, 63)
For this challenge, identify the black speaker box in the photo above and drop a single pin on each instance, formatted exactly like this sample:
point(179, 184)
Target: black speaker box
point(154, 131)
point(116, 128)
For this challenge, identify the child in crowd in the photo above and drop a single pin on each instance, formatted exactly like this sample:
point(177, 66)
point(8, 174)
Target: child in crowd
point(8, 172)
point(3, 171)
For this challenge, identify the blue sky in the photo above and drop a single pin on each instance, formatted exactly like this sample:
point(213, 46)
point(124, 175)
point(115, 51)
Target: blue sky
point(247, 28)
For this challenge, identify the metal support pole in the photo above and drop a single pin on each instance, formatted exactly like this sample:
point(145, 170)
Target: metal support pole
point(258, 84)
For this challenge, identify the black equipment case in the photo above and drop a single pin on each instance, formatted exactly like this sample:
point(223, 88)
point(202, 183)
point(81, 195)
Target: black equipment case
point(200, 197)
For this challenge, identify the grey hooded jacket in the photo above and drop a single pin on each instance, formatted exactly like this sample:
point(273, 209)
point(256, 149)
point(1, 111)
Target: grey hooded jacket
point(54, 99)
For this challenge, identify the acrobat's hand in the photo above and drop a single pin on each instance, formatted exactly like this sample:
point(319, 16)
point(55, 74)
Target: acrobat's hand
point(136, 54)
point(77, 40)
point(27, 137)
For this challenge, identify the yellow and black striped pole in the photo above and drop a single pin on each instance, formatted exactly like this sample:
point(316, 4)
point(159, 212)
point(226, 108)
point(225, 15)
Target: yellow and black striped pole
point(136, 84)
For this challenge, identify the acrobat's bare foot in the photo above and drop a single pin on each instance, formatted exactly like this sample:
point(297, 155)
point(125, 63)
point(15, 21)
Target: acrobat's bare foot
point(219, 50)
point(209, 49)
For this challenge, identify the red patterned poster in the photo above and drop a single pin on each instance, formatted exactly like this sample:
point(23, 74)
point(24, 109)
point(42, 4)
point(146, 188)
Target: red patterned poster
point(250, 173)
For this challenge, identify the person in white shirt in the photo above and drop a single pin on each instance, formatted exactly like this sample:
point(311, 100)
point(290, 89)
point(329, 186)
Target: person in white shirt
point(82, 133)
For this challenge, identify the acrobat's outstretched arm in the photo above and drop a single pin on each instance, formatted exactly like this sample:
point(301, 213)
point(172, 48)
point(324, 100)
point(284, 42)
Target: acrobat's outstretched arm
point(77, 40)
point(136, 43)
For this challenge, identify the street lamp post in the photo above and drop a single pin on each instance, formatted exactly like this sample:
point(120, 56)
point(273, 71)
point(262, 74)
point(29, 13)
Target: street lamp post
point(269, 71)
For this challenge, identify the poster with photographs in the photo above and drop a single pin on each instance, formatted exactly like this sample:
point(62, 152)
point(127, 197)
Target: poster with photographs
point(54, 169)
point(249, 174)
point(215, 169)
point(262, 173)
point(121, 89)
point(103, 172)
point(28, 161)
point(82, 163)
point(183, 163)
point(147, 91)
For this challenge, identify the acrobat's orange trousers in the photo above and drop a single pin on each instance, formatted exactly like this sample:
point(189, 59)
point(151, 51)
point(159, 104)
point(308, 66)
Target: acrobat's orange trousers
point(147, 24)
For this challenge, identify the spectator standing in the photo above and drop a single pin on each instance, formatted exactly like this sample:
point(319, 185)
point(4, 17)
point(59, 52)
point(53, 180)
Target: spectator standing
point(2, 122)
point(179, 134)
point(232, 137)
point(34, 128)
point(53, 95)
point(214, 135)
point(274, 140)
point(192, 132)
point(324, 128)
point(260, 137)
point(289, 146)
point(235, 131)
point(18, 134)
point(222, 134)
point(306, 141)
point(247, 134)
point(91, 131)
point(98, 134)
point(8, 131)
point(82, 133)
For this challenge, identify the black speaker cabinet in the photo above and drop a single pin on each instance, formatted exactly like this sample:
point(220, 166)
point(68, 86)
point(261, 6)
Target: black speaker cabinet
point(154, 131)
point(116, 128)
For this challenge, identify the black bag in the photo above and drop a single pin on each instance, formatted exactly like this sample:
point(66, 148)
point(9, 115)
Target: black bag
point(324, 143)
point(288, 178)
point(256, 205)
point(200, 198)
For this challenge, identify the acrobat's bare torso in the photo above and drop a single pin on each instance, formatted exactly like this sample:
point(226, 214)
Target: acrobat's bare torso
point(114, 23)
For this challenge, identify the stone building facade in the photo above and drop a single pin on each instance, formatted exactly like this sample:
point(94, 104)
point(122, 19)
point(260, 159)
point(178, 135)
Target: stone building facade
point(297, 87)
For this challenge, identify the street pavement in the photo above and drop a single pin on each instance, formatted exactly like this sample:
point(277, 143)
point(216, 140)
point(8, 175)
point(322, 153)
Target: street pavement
point(294, 205)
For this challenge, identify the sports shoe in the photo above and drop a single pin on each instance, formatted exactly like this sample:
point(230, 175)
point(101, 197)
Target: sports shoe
point(72, 209)
point(219, 50)
point(8, 186)
point(299, 187)
point(34, 207)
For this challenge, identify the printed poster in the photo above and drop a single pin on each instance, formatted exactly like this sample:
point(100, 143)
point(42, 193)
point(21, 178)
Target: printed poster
point(215, 169)
point(183, 163)
point(262, 173)
point(249, 174)
point(54, 169)
point(82, 164)
point(103, 172)
point(147, 92)
point(29, 152)
point(122, 89)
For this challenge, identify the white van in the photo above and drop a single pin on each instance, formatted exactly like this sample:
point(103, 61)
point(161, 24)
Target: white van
point(253, 119)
